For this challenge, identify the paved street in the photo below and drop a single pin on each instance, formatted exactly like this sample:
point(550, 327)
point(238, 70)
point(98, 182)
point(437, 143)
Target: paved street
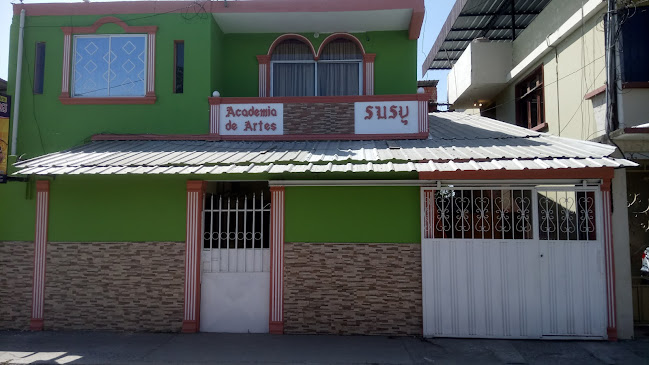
point(145, 348)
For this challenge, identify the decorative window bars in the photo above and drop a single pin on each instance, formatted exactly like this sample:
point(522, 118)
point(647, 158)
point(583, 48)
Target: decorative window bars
point(236, 232)
point(567, 215)
point(505, 213)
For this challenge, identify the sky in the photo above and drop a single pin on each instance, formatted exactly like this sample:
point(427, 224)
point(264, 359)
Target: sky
point(436, 13)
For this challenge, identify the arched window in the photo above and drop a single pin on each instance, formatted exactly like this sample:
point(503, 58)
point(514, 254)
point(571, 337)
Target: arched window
point(293, 69)
point(339, 68)
point(295, 72)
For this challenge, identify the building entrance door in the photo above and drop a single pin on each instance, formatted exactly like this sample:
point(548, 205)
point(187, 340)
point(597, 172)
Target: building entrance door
point(503, 262)
point(235, 263)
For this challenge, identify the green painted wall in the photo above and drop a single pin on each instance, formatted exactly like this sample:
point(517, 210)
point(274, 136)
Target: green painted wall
point(353, 214)
point(394, 68)
point(217, 56)
point(17, 211)
point(152, 208)
point(117, 209)
point(126, 208)
point(47, 126)
point(214, 61)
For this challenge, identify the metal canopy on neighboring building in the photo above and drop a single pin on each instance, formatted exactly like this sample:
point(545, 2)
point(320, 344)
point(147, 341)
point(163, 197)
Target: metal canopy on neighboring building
point(457, 142)
point(498, 20)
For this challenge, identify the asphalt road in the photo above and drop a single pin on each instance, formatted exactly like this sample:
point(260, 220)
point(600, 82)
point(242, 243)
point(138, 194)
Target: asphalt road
point(79, 348)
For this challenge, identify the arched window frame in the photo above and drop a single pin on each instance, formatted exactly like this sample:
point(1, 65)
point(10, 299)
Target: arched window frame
point(366, 71)
point(313, 60)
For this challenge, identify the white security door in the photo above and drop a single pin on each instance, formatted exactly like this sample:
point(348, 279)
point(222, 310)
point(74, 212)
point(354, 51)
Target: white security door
point(572, 263)
point(488, 272)
point(235, 267)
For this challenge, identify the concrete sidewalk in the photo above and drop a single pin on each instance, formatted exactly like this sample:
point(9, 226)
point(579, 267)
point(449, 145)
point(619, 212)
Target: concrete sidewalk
point(163, 348)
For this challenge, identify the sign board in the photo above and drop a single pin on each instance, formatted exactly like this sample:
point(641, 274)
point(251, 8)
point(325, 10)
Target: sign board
point(251, 119)
point(386, 117)
point(5, 105)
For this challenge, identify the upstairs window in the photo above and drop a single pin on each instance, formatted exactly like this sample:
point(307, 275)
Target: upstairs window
point(39, 68)
point(295, 72)
point(339, 68)
point(109, 65)
point(179, 66)
point(293, 69)
point(530, 107)
point(635, 53)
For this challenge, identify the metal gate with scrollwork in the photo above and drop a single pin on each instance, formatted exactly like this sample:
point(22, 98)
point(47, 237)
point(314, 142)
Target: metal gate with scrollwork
point(513, 262)
point(235, 270)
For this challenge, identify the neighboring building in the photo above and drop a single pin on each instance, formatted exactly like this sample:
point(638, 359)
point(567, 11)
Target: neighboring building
point(430, 89)
point(3, 86)
point(549, 74)
point(268, 166)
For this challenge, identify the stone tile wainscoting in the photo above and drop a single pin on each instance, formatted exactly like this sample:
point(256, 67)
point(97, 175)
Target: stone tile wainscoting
point(16, 273)
point(319, 118)
point(357, 288)
point(134, 286)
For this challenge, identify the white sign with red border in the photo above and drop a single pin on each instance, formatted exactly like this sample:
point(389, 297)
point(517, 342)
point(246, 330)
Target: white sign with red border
point(386, 117)
point(251, 119)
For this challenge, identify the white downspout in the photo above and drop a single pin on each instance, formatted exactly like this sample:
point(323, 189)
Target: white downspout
point(19, 74)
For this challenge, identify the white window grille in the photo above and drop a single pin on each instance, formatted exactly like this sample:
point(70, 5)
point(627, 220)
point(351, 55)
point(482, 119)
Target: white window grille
point(236, 233)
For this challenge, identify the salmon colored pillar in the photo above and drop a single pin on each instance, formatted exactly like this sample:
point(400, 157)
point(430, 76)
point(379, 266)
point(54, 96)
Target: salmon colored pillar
point(40, 246)
point(276, 320)
point(191, 317)
point(264, 75)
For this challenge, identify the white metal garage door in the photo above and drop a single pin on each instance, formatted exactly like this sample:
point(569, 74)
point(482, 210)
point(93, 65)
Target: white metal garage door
point(235, 270)
point(509, 262)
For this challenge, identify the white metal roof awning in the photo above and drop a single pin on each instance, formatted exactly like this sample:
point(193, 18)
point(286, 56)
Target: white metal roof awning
point(457, 142)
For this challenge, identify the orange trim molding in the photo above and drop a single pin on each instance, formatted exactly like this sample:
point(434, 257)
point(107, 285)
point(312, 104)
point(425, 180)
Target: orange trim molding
point(253, 6)
point(40, 254)
point(276, 302)
point(595, 92)
point(369, 57)
point(606, 185)
point(68, 32)
point(264, 60)
point(317, 99)
point(193, 244)
point(416, 22)
point(43, 186)
point(107, 20)
point(284, 37)
point(196, 186)
point(335, 36)
point(604, 173)
point(108, 101)
point(287, 137)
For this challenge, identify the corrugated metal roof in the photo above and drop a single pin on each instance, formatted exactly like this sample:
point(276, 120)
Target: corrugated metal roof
point(456, 142)
point(471, 19)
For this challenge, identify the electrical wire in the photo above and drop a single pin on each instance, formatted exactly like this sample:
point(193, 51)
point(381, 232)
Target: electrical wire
point(544, 85)
point(182, 10)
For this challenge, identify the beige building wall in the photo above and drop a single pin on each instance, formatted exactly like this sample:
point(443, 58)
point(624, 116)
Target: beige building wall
point(551, 18)
point(575, 67)
point(572, 69)
point(623, 295)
